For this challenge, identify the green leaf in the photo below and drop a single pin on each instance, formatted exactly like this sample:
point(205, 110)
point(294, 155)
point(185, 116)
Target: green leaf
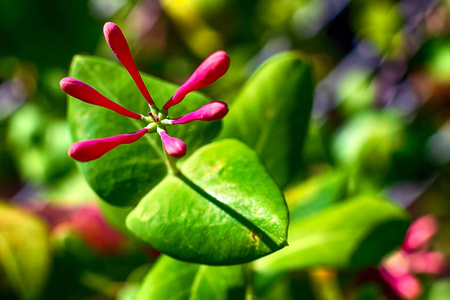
point(225, 209)
point(345, 235)
point(439, 290)
point(368, 140)
point(271, 114)
point(127, 173)
point(315, 194)
point(24, 261)
point(173, 279)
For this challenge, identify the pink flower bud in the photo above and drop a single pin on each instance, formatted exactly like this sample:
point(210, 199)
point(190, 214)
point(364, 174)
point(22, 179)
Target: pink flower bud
point(209, 71)
point(405, 285)
point(84, 92)
point(93, 149)
point(118, 44)
point(427, 262)
point(174, 147)
point(420, 232)
point(212, 111)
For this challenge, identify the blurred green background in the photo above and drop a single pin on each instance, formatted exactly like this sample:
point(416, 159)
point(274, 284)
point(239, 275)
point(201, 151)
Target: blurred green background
point(381, 108)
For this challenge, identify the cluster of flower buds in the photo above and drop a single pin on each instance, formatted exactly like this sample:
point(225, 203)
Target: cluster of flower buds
point(414, 257)
point(157, 120)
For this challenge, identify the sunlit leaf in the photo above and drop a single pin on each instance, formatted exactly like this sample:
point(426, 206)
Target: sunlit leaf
point(225, 209)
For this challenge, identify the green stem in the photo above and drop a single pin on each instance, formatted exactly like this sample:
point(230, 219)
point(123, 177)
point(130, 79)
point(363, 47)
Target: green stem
point(162, 114)
point(171, 164)
point(249, 292)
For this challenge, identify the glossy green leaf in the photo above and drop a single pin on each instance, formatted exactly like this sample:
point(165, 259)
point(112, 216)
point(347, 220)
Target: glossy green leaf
point(24, 261)
point(127, 173)
point(271, 114)
point(225, 209)
point(173, 279)
point(355, 233)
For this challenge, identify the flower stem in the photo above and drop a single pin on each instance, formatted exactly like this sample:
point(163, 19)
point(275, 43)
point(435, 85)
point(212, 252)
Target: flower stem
point(248, 273)
point(171, 164)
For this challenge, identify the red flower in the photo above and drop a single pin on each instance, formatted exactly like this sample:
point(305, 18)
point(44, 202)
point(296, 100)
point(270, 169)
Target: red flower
point(209, 71)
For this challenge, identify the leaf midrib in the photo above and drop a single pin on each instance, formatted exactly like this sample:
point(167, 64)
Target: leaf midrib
point(272, 242)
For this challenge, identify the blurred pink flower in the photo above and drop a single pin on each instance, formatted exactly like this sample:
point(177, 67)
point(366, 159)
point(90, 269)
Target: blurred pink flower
point(213, 67)
point(398, 269)
point(90, 225)
point(84, 221)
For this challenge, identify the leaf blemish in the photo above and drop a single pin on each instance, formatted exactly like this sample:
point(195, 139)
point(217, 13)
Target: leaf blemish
point(255, 237)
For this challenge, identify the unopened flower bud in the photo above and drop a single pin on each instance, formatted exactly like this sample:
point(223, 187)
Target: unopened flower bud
point(420, 232)
point(210, 112)
point(118, 44)
point(173, 146)
point(209, 71)
point(93, 149)
point(85, 93)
